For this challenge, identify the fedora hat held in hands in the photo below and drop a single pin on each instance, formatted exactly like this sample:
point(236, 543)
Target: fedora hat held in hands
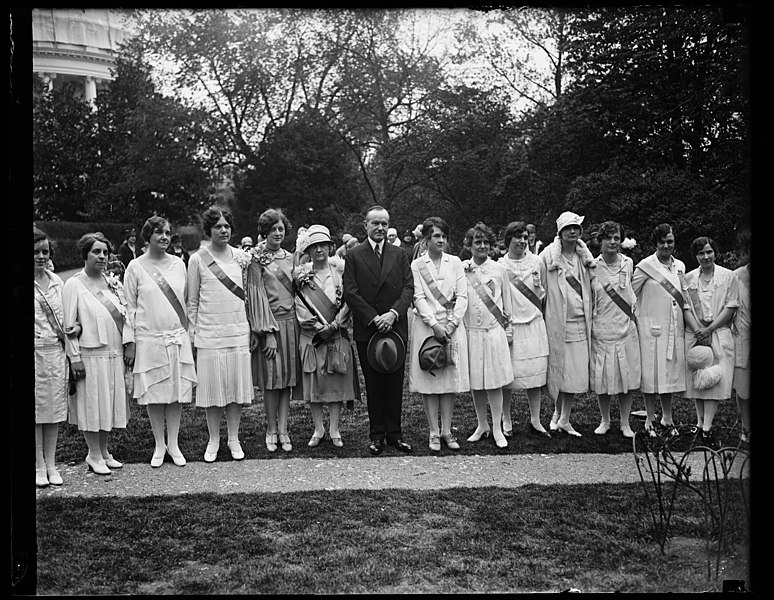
point(432, 355)
point(386, 352)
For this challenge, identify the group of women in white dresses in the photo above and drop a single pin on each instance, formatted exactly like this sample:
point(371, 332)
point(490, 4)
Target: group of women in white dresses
point(568, 323)
point(561, 321)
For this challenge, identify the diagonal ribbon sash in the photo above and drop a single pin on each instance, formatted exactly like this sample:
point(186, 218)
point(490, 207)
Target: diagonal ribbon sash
point(166, 289)
point(434, 289)
point(648, 269)
point(209, 260)
point(284, 280)
point(501, 317)
point(530, 295)
point(322, 305)
point(574, 283)
point(118, 318)
point(51, 316)
point(619, 301)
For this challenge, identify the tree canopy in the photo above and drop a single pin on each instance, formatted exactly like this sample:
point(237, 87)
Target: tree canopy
point(640, 114)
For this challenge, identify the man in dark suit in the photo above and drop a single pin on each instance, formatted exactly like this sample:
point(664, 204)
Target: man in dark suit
point(379, 288)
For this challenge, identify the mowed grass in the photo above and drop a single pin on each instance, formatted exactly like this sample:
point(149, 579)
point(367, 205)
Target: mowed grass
point(135, 443)
point(592, 538)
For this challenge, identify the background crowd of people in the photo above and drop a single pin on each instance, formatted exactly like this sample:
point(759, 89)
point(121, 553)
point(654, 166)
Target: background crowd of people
point(165, 327)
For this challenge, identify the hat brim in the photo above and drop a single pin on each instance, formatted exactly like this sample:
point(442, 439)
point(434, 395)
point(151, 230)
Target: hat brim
point(400, 351)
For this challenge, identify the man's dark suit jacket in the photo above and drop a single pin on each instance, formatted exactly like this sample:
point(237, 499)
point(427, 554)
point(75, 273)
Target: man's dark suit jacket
point(372, 289)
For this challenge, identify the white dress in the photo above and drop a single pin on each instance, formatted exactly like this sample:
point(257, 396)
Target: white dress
point(489, 358)
point(450, 279)
point(722, 292)
point(615, 345)
point(529, 349)
point(164, 370)
point(742, 337)
point(660, 327)
point(100, 402)
point(51, 373)
point(217, 324)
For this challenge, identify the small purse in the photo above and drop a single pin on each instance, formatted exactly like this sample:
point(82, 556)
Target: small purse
point(71, 378)
point(336, 361)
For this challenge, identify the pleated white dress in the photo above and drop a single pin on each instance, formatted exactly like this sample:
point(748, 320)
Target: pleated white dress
point(489, 358)
point(529, 348)
point(450, 280)
point(217, 324)
point(615, 345)
point(100, 402)
point(164, 370)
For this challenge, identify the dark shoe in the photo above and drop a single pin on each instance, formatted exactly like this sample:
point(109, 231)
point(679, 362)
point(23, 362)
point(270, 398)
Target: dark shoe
point(376, 447)
point(536, 431)
point(402, 446)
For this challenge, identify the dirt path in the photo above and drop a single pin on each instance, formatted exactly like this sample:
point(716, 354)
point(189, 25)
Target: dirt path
point(302, 474)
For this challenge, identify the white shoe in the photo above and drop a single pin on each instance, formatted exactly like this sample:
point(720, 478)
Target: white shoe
point(553, 426)
point(602, 429)
point(236, 450)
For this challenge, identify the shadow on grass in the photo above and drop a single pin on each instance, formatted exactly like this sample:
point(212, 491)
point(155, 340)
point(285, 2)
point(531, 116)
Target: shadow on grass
point(532, 539)
point(135, 443)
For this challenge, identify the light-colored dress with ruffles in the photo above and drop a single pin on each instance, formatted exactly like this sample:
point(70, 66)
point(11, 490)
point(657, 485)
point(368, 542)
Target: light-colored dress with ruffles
point(660, 327)
point(318, 384)
point(51, 373)
point(489, 358)
point(529, 348)
point(271, 308)
point(450, 280)
point(722, 292)
point(100, 402)
point(615, 345)
point(218, 328)
point(742, 338)
point(164, 370)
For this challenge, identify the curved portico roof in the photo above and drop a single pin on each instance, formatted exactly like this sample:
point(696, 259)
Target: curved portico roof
point(80, 42)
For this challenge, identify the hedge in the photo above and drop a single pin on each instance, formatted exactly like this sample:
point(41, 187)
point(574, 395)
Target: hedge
point(64, 236)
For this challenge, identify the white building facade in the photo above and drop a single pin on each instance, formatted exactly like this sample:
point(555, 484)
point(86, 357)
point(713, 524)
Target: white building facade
point(77, 45)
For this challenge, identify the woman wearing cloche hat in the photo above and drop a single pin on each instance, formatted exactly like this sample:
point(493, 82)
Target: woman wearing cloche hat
point(327, 362)
point(567, 267)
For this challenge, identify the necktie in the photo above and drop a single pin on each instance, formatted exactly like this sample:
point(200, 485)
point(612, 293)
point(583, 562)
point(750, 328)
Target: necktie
point(378, 254)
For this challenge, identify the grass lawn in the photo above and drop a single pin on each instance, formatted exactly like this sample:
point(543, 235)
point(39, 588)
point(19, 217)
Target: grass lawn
point(530, 539)
point(135, 443)
point(595, 538)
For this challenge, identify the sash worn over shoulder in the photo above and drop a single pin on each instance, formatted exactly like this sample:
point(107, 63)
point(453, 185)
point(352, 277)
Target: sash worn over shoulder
point(209, 260)
point(663, 281)
point(501, 317)
point(51, 316)
point(437, 293)
point(574, 283)
point(519, 284)
point(166, 289)
point(318, 302)
point(619, 301)
point(283, 279)
point(118, 318)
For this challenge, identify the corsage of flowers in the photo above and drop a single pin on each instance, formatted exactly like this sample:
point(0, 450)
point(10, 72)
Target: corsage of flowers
point(114, 285)
point(263, 256)
point(304, 276)
point(628, 243)
point(242, 258)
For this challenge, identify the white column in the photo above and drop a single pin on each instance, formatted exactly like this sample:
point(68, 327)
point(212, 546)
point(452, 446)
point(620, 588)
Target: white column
point(90, 90)
point(48, 80)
